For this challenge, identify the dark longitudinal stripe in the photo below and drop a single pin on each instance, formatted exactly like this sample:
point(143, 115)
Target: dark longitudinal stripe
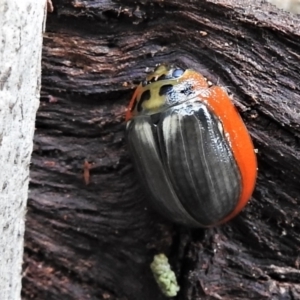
point(199, 162)
point(142, 140)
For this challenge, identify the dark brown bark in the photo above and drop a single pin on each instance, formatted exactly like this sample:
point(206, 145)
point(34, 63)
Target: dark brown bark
point(90, 233)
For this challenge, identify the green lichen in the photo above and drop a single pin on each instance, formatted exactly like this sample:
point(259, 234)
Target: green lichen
point(164, 276)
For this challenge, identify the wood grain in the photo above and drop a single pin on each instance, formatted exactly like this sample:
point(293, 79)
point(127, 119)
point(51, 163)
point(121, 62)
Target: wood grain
point(96, 240)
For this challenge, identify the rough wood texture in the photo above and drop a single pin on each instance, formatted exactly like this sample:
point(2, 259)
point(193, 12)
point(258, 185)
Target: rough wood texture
point(288, 5)
point(96, 240)
point(21, 27)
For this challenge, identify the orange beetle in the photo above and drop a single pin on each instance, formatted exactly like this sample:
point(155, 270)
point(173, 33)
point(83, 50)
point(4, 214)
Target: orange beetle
point(190, 147)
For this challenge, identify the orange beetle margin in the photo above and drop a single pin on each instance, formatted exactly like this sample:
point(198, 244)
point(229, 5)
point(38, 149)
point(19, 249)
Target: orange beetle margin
point(234, 129)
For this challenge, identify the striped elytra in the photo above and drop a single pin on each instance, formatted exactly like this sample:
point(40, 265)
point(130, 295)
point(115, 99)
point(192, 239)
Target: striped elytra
point(190, 147)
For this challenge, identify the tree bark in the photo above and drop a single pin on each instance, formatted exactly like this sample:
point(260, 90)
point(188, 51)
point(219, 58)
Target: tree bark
point(90, 233)
point(288, 5)
point(21, 24)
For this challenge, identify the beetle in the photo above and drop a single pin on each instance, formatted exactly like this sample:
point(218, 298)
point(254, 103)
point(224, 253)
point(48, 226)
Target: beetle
point(190, 147)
